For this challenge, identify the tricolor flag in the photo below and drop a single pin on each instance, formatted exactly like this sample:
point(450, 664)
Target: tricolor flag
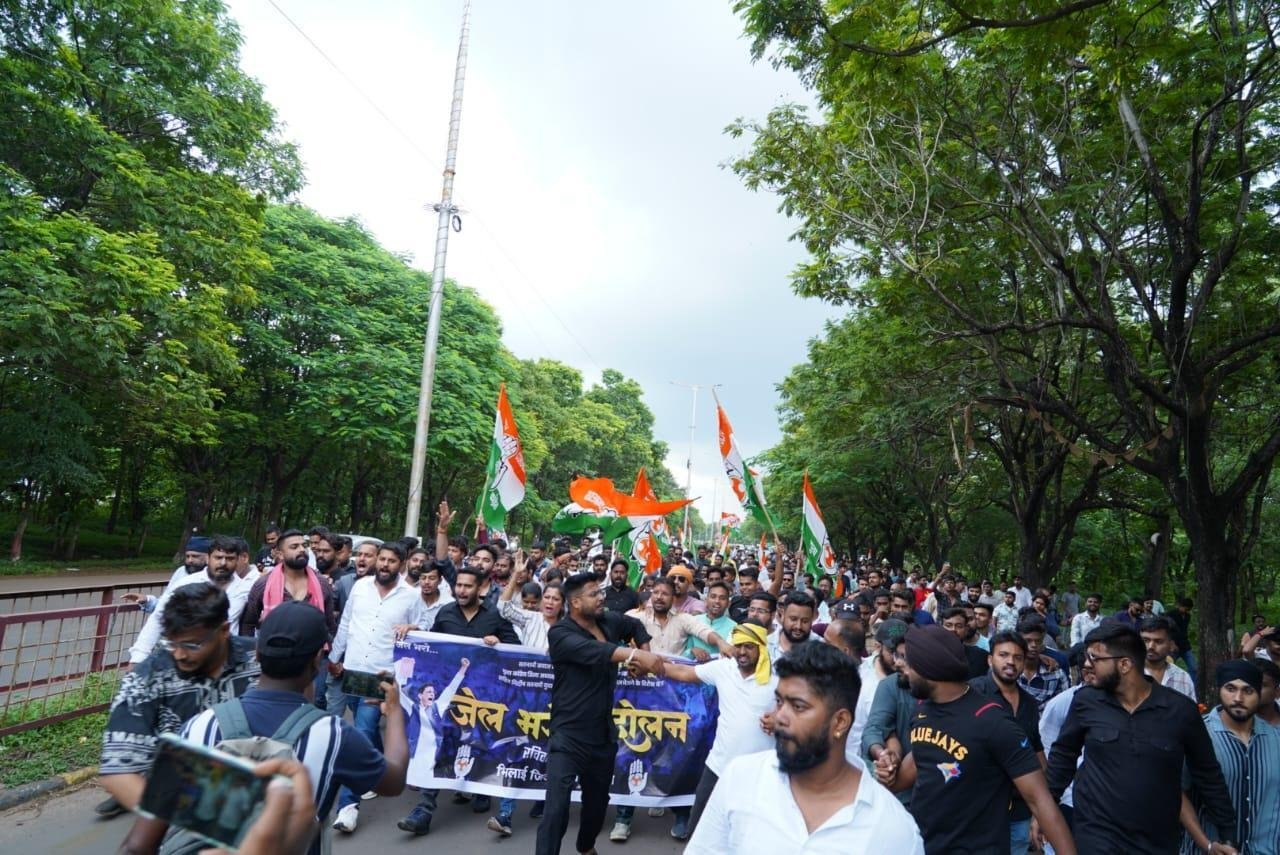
point(728, 521)
point(744, 480)
point(504, 481)
point(819, 559)
point(643, 490)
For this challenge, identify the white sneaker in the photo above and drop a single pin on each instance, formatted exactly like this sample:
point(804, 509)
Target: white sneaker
point(369, 795)
point(621, 832)
point(657, 811)
point(347, 818)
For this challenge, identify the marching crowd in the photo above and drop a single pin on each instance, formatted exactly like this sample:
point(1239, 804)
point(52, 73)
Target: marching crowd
point(880, 707)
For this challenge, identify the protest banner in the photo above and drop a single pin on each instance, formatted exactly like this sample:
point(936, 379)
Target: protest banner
point(484, 727)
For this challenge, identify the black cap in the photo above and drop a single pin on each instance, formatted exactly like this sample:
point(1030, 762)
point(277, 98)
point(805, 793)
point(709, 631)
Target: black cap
point(292, 629)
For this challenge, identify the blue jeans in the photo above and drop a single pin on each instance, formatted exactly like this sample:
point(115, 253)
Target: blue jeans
point(1019, 836)
point(507, 808)
point(365, 717)
point(625, 812)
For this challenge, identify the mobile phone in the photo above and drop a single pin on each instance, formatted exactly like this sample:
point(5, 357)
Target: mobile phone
point(207, 792)
point(362, 684)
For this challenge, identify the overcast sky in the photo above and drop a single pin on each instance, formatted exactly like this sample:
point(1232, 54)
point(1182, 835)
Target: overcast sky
point(598, 218)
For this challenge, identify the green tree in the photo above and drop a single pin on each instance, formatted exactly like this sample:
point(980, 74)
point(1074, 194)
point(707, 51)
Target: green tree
point(1092, 170)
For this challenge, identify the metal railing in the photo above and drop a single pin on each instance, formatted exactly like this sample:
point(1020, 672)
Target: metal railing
point(62, 663)
point(15, 602)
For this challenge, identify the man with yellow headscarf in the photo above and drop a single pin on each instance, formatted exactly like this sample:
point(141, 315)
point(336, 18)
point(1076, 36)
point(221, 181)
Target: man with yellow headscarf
point(745, 686)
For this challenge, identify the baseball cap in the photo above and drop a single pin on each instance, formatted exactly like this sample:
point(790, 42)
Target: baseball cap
point(292, 629)
point(890, 631)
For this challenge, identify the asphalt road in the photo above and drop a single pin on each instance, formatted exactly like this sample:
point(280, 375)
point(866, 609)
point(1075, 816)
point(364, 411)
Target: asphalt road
point(65, 823)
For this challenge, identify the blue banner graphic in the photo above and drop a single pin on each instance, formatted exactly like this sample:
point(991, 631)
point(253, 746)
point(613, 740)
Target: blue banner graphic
point(478, 721)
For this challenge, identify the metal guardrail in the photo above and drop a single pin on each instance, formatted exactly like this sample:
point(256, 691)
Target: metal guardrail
point(14, 602)
point(62, 663)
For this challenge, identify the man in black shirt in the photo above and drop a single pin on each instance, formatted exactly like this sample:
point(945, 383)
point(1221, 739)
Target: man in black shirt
point(618, 597)
point(748, 584)
point(586, 648)
point(956, 621)
point(1128, 793)
point(967, 756)
point(1008, 655)
point(468, 617)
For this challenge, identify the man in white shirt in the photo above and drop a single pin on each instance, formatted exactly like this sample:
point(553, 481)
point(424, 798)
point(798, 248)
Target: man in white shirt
point(195, 558)
point(1006, 614)
point(744, 686)
point(1088, 620)
point(220, 570)
point(795, 627)
point(365, 641)
point(889, 633)
point(1021, 594)
point(805, 796)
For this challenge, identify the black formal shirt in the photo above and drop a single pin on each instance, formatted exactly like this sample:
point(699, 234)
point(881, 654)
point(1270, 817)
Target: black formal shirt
point(585, 677)
point(486, 621)
point(1128, 792)
point(1028, 718)
point(621, 601)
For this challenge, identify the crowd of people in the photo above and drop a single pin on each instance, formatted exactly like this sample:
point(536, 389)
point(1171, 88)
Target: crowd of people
point(876, 707)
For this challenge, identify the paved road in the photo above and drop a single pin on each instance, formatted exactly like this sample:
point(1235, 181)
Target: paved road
point(65, 824)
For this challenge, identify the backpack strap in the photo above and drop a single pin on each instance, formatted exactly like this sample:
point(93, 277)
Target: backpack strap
point(232, 723)
point(298, 723)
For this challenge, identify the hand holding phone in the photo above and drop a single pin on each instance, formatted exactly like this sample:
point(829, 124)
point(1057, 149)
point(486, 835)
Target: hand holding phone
point(363, 684)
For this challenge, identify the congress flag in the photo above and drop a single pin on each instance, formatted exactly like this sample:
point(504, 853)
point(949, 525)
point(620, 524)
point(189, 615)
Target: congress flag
point(819, 558)
point(744, 480)
point(504, 481)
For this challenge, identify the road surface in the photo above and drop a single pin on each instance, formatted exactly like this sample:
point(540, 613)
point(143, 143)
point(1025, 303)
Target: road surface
point(65, 823)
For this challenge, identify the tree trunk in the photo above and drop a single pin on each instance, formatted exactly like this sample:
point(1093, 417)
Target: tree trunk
point(15, 545)
point(114, 516)
point(1158, 556)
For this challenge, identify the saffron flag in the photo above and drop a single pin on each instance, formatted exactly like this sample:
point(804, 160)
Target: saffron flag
point(819, 558)
point(504, 481)
point(643, 490)
point(744, 480)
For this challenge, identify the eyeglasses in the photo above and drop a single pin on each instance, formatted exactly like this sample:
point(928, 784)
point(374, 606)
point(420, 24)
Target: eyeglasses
point(1094, 659)
point(188, 646)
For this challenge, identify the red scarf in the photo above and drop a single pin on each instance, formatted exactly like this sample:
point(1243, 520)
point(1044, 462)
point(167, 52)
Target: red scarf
point(273, 594)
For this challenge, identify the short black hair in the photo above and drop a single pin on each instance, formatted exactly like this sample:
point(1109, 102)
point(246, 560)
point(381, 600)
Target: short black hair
point(409, 542)
point(882, 592)
point(458, 543)
point(317, 529)
point(530, 589)
point(576, 583)
point(485, 547)
point(200, 606)
point(767, 597)
point(982, 605)
point(723, 586)
point(475, 572)
point(1157, 623)
point(242, 546)
point(538, 544)
point(224, 544)
point(802, 599)
point(439, 565)
point(1119, 640)
point(954, 611)
point(419, 551)
point(1032, 625)
point(1008, 636)
point(748, 573)
point(830, 673)
point(665, 581)
point(289, 532)
point(621, 561)
point(272, 529)
point(1269, 668)
point(396, 548)
point(561, 550)
point(1095, 595)
point(334, 540)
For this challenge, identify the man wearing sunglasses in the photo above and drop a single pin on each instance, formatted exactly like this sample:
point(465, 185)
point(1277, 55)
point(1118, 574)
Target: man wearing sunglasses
point(197, 663)
point(1141, 736)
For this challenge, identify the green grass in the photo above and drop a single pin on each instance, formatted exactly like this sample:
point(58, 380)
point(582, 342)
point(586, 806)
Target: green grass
point(89, 565)
point(55, 749)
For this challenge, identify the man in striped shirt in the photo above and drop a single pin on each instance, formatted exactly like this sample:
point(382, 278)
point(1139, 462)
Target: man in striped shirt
point(1248, 751)
point(290, 647)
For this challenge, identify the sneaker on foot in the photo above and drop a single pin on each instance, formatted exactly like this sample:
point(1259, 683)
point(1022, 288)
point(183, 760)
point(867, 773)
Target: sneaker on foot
point(621, 832)
point(500, 825)
point(347, 819)
point(461, 798)
point(418, 821)
point(364, 797)
point(680, 830)
point(657, 811)
point(108, 807)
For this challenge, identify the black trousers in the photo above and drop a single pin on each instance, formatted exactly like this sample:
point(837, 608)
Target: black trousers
point(592, 767)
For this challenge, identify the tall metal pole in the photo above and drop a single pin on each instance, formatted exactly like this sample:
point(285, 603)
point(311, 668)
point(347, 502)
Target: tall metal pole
point(446, 211)
point(688, 482)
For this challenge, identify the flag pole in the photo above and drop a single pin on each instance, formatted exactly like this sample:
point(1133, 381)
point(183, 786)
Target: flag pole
point(446, 212)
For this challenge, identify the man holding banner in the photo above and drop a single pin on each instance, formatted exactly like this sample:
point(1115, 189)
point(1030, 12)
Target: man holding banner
point(586, 648)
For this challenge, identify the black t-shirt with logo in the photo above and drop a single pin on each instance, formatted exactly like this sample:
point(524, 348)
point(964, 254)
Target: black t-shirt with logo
point(967, 753)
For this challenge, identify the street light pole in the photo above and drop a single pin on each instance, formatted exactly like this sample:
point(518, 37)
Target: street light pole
point(446, 211)
point(688, 481)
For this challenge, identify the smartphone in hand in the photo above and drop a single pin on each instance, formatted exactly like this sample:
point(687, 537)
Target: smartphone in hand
point(209, 793)
point(362, 684)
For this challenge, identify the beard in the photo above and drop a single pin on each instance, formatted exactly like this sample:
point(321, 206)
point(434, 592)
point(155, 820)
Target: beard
point(799, 755)
point(903, 682)
point(222, 574)
point(1239, 714)
point(297, 562)
point(919, 689)
point(385, 579)
point(797, 636)
point(1109, 683)
point(195, 566)
point(324, 565)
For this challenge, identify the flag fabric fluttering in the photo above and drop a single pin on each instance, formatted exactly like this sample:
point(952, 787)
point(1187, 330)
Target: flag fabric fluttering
point(643, 490)
point(728, 521)
point(504, 481)
point(819, 558)
point(744, 480)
